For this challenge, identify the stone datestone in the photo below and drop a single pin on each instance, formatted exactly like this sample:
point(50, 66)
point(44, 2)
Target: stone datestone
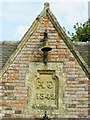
point(46, 85)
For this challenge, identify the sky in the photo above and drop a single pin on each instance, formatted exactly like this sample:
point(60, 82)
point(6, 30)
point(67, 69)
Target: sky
point(16, 16)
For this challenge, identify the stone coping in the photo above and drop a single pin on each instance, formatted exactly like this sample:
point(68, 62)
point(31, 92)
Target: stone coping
point(43, 119)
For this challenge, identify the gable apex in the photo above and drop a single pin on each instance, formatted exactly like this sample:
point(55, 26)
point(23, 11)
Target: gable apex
point(46, 12)
point(46, 5)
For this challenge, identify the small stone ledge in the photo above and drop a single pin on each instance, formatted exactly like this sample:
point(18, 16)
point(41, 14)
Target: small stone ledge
point(81, 43)
point(42, 119)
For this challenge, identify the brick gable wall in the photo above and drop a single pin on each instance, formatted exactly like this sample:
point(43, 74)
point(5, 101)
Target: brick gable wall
point(15, 93)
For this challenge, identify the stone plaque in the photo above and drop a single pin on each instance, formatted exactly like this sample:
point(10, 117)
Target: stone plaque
point(46, 90)
point(46, 85)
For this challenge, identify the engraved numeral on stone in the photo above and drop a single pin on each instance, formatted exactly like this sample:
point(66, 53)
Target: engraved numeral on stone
point(42, 96)
point(47, 96)
point(52, 97)
point(37, 96)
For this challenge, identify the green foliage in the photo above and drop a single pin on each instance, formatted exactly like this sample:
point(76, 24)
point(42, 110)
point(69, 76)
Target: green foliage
point(82, 32)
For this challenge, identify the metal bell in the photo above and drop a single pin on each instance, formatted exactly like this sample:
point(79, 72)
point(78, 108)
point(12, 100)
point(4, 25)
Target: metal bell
point(46, 46)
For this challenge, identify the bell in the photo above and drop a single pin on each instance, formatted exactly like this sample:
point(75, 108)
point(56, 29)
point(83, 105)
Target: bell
point(46, 46)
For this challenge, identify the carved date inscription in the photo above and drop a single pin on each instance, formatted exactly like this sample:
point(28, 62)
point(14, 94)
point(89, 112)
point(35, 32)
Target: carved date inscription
point(46, 95)
point(45, 90)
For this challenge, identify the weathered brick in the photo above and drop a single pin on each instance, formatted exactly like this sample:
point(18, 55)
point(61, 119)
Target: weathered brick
point(11, 85)
point(7, 115)
point(7, 87)
point(18, 112)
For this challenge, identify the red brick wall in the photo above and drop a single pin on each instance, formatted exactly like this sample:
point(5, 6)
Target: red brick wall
point(14, 92)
